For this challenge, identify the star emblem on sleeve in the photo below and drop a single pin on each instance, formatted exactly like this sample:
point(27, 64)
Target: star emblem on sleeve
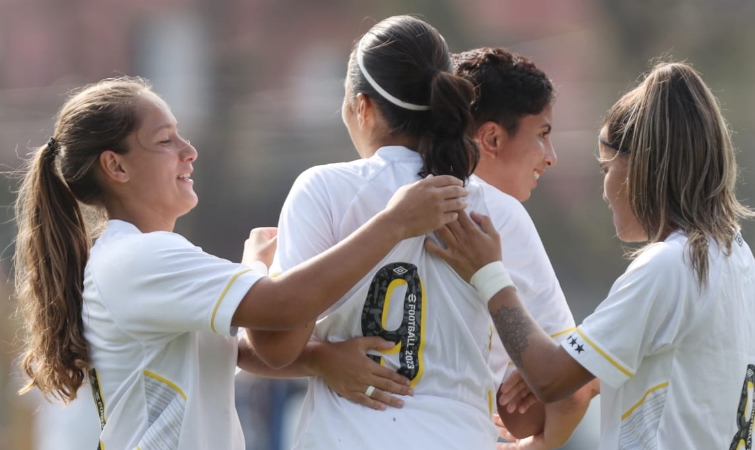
point(573, 341)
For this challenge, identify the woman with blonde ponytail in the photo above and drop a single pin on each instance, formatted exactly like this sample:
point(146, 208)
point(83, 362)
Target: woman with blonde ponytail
point(673, 344)
point(146, 316)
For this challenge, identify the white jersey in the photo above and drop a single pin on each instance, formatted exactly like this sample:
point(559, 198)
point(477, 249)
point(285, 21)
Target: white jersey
point(675, 362)
point(444, 334)
point(157, 319)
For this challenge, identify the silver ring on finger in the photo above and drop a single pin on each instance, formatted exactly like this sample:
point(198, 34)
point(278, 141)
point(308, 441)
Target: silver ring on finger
point(370, 389)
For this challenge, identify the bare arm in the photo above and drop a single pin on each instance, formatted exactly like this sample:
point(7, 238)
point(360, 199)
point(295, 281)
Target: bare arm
point(561, 419)
point(344, 366)
point(551, 373)
point(521, 425)
point(250, 361)
point(299, 295)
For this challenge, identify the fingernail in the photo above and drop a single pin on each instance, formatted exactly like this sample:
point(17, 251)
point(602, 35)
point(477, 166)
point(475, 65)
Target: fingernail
point(381, 407)
point(410, 392)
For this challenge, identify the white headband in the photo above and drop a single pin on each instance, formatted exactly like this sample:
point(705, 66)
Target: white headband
point(382, 91)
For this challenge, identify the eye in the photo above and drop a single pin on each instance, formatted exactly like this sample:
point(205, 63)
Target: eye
point(166, 141)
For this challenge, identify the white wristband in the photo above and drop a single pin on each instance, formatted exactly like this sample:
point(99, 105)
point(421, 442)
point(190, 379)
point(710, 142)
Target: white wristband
point(490, 279)
point(258, 267)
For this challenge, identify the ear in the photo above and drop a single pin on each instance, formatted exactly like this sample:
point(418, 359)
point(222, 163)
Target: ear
point(112, 167)
point(490, 139)
point(365, 110)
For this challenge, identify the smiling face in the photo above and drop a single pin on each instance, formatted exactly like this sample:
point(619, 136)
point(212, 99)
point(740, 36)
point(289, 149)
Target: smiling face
point(513, 163)
point(154, 176)
point(615, 168)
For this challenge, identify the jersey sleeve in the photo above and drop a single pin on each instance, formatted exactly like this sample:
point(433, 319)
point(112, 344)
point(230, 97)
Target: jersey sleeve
point(161, 283)
point(646, 312)
point(305, 227)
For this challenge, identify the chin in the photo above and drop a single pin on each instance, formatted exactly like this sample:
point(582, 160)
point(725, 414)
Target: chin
point(189, 206)
point(524, 196)
point(631, 236)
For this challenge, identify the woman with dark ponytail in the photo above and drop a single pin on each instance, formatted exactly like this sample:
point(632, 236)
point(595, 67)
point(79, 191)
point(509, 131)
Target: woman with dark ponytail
point(409, 117)
point(146, 316)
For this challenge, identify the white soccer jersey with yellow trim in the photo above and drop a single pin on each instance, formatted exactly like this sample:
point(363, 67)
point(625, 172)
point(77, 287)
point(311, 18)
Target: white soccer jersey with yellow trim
point(443, 332)
point(675, 363)
point(157, 318)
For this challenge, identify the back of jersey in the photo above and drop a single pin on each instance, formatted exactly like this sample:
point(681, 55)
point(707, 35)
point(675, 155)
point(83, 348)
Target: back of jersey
point(442, 331)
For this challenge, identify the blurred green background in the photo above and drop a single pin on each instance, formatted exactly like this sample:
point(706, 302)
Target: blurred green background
point(257, 87)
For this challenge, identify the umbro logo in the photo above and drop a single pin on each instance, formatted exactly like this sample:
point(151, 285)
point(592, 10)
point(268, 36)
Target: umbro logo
point(400, 270)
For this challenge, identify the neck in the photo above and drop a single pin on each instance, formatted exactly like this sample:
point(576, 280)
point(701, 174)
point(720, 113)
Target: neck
point(143, 218)
point(373, 145)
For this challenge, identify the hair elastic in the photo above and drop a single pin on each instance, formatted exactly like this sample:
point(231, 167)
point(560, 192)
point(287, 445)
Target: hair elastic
point(383, 92)
point(52, 147)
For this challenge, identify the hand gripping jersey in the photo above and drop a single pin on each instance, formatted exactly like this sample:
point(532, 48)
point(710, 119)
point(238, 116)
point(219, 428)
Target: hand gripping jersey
point(157, 319)
point(443, 333)
point(676, 364)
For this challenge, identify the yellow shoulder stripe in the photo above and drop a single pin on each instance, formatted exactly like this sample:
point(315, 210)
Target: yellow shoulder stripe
point(222, 295)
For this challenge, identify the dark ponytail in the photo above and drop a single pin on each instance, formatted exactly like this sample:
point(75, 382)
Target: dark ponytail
point(402, 64)
point(447, 148)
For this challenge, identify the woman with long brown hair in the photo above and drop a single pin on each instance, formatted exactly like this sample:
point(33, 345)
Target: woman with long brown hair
point(146, 315)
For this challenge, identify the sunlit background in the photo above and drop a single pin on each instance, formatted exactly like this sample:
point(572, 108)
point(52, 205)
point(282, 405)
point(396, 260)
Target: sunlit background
point(257, 86)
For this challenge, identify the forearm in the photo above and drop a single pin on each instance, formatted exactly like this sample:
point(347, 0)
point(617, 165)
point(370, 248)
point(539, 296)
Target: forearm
point(562, 417)
point(551, 373)
point(530, 423)
point(300, 294)
point(260, 353)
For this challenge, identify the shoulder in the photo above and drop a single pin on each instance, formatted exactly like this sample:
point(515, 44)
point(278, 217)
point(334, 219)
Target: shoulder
point(666, 256)
point(335, 172)
point(138, 252)
point(662, 267)
point(505, 211)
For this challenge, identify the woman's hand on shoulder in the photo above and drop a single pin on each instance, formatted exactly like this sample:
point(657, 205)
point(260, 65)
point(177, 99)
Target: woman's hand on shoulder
point(470, 243)
point(425, 205)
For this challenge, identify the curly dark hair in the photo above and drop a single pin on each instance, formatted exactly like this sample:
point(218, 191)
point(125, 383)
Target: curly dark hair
point(509, 86)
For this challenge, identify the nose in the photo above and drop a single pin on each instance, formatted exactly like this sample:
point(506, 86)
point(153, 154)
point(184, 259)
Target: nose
point(189, 153)
point(550, 156)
